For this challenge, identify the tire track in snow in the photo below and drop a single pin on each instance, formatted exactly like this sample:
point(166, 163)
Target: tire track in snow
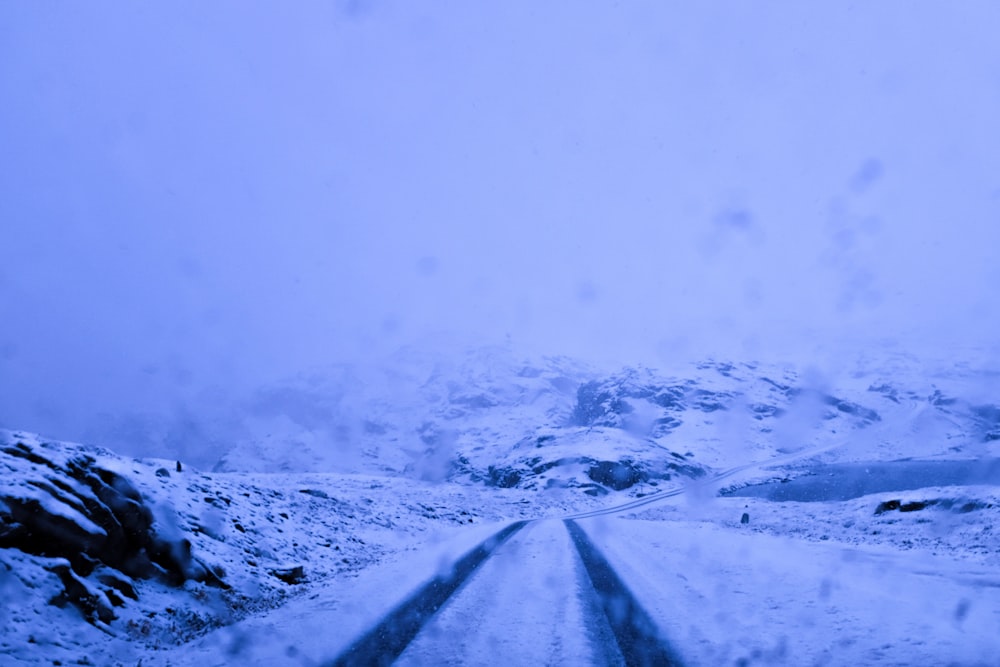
point(634, 632)
point(530, 603)
point(638, 639)
point(383, 643)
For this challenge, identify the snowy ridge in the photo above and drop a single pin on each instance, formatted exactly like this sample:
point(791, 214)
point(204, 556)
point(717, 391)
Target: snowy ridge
point(457, 450)
point(494, 418)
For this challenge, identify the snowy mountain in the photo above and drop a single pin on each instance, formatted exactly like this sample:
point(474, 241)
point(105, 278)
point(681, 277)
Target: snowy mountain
point(349, 473)
point(500, 420)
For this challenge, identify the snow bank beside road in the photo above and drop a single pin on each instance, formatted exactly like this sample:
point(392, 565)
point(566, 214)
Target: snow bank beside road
point(728, 597)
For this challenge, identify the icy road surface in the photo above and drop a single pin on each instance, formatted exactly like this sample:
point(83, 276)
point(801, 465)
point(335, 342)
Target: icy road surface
point(531, 603)
point(716, 596)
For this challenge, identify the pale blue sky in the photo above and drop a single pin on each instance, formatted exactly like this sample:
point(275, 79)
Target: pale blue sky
point(220, 193)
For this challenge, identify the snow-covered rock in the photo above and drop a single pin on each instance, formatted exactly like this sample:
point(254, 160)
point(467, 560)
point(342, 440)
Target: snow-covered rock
point(58, 503)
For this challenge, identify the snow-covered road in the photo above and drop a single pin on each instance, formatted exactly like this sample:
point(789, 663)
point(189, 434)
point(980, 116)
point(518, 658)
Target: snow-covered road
point(715, 596)
point(722, 596)
point(530, 604)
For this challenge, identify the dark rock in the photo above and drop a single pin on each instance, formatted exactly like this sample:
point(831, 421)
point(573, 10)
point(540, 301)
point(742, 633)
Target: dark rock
point(940, 400)
point(617, 475)
point(290, 575)
point(972, 506)
point(763, 410)
point(213, 575)
point(175, 558)
point(782, 388)
point(606, 403)
point(687, 470)
point(90, 517)
point(914, 506)
point(504, 478)
point(113, 597)
point(21, 450)
point(76, 591)
point(32, 528)
point(887, 391)
point(847, 407)
point(117, 581)
point(666, 424)
point(709, 401)
point(671, 398)
point(887, 506)
point(598, 406)
point(539, 468)
point(745, 519)
point(162, 472)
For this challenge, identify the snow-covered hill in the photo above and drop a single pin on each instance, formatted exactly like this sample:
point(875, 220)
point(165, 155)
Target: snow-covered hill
point(494, 418)
point(108, 558)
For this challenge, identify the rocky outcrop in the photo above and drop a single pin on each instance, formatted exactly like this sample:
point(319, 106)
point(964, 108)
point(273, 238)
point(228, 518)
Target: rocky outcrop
point(618, 475)
point(956, 505)
point(502, 477)
point(62, 505)
point(612, 401)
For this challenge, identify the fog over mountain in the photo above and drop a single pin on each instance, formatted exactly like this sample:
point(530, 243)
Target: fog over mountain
point(353, 332)
point(200, 200)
